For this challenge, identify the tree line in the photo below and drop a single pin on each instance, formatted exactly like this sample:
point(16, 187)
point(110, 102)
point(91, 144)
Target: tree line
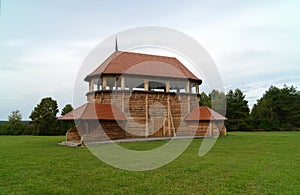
point(43, 120)
point(278, 109)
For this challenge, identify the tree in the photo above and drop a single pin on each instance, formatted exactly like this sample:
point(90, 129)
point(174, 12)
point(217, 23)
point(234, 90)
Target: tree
point(44, 117)
point(15, 116)
point(204, 100)
point(215, 100)
point(66, 109)
point(218, 101)
point(65, 125)
point(278, 109)
point(14, 125)
point(237, 111)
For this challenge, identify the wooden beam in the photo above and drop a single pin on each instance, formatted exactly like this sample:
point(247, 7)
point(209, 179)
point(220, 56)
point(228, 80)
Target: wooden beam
point(123, 83)
point(103, 83)
point(167, 86)
point(169, 120)
point(188, 87)
point(123, 101)
point(147, 117)
point(91, 85)
point(172, 122)
point(188, 104)
point(146, 84)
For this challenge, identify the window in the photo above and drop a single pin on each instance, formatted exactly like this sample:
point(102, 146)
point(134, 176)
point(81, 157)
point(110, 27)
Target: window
point(110, 83)
point(177, 86)
point(157, 85)
point(134, 84)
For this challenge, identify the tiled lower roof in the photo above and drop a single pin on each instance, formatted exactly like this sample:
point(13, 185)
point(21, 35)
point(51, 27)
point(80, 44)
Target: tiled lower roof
point(94, 111)
point(204, 113)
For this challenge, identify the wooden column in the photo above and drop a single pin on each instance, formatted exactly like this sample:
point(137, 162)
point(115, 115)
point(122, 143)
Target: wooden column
point(197, 88)
point(104, 83)
point(147, 117)
point(91, 85)
point(188, 87)
point(123, 101)
point(169, 116)
point(122, 83)
point(167, 86)
point(146, 85)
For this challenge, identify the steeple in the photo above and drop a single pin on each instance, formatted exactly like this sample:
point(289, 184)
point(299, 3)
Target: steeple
point(116, 44)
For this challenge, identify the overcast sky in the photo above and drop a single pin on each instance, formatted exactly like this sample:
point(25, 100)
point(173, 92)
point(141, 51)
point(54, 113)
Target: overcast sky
point(255, 44)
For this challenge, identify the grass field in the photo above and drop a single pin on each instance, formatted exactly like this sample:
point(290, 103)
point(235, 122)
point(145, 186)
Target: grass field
point(264, 162)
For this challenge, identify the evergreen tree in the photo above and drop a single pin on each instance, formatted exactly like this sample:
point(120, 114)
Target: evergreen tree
point(218, 101)
point(66, 109)
point(237, 111)
point(44, 117)
point(204, 100)
point(278, 109)
point(65, 125)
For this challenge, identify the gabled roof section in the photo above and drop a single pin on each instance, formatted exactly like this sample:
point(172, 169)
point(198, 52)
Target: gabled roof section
point(91, 111)
point(150, 65)
point(204, 113)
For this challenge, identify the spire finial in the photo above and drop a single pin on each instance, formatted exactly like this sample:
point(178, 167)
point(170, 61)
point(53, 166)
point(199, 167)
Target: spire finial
point(116, 45)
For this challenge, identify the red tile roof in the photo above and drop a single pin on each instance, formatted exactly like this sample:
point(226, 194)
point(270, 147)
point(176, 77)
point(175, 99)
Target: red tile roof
point(94, 111)
point(204, 113)
point(142, 64)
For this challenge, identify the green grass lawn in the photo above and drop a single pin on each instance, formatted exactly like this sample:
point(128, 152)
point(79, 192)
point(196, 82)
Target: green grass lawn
point(259, 162)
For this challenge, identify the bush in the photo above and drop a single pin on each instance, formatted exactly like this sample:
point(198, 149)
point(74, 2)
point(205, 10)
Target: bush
point(28, 129)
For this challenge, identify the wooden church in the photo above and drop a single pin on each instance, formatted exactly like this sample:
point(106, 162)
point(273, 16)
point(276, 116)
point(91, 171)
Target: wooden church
point(136, 95)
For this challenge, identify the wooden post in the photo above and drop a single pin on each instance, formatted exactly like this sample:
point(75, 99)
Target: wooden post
point(164, 127)
point(169, 119)
point(123, 83)
point(104, 83)
point(146, 113)
point(146, 84)
point(167, 86)
point(91, 85)
point(197, 88)
point(187, 88)
point(122, 101)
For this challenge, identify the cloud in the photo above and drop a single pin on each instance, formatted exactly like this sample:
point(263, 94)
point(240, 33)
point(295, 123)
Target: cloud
point(41, 70)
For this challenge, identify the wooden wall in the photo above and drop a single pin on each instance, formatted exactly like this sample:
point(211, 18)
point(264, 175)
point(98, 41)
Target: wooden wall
point(135, 106)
